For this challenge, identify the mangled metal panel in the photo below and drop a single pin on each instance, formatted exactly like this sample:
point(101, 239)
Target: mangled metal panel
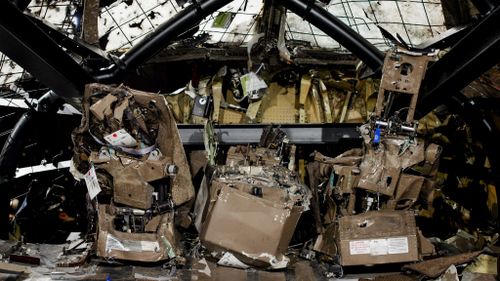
point(273, 150)
point(381, 167)
point(378, 237)
point(246, 155)
point(369, 192)
point(129, 152)
point(435, 267)
point(251, 206)
point(253, 212)
point(402, 73)
point(156, 242)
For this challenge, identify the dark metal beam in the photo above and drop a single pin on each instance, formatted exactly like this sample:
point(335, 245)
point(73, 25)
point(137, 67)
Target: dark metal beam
point(469, 58)
point(161, 37)
point(8, 162)
point(12, 149)
point(474, 54)
point(338, 30)
point(192, 15)
point(170, 30)
point(74, 45)
point(26, 44)
point(303, 134)
point(485, 6)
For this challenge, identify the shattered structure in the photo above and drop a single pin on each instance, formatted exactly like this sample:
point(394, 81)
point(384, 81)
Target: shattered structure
point(250, 206)
point(128, 151)
point(369, 193)
point(252, 214)
point(269, 158)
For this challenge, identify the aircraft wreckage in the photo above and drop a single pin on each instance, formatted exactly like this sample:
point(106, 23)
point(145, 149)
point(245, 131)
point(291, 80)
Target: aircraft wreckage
point(274, 161)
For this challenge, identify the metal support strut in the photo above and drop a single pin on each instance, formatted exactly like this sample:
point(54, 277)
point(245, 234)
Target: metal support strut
point(338, 30)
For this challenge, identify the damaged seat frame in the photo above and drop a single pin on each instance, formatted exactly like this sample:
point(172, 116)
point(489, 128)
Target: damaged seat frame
point(39, 50)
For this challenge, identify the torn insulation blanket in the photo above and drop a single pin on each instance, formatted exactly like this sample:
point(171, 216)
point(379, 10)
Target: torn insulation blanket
point(252, 213)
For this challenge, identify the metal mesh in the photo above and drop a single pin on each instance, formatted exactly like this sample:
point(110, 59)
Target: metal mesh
point(9, 72)
point(65, 16)
point(242, 27)
point(125, 22)
point(11, 77)
point(414, 20)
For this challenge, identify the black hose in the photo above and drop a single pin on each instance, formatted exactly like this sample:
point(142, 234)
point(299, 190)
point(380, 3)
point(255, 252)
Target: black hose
point(161, 37)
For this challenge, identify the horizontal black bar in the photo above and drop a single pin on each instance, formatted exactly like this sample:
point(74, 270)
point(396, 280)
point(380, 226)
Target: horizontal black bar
point(475, 53)
point(306, 134)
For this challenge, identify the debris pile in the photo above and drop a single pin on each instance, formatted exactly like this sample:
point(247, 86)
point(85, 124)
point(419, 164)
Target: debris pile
point(129, 153)
point(361, 207)
point(250, 206)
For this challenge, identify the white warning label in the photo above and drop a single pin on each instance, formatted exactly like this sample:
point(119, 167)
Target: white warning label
point(359, 247)
point(114, 243)
point(397, 245)
point(378, 247)
point(92, 182)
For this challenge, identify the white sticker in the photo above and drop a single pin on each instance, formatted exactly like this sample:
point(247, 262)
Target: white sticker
point(397, 245)
point(113, 243)
point(92, 183)
point(359, 247)
point(150, 246)
point(121, 138)
point(251, 82)
point(378, 247)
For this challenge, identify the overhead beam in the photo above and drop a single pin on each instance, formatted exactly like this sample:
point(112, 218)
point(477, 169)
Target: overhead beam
point(336, 29)
point(164, 34)
point(304, 134)
point(27, 45)
point(469, 58)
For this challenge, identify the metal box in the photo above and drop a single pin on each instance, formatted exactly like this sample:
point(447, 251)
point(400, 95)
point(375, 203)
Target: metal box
point(378, 237)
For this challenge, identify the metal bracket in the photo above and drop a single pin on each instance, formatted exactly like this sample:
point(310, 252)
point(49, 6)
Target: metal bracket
point(402, 73)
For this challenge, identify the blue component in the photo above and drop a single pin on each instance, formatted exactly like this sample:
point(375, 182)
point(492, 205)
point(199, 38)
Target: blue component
point(332, 179)
point(108, 278)
point(376, 137)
